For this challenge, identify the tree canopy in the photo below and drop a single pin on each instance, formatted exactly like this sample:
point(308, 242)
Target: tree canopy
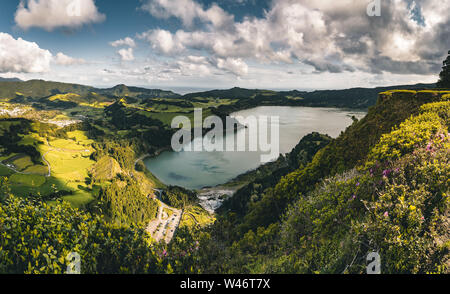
point(444, 77)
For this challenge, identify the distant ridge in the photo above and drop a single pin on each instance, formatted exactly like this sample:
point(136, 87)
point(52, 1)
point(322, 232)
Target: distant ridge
point(39, 88)
point(347, 98)
point(10, 79)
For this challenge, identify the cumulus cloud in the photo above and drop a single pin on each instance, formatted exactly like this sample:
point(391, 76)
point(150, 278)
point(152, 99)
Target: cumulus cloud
point(126, 54)
point(163, 41)
point(62, 59)
point(188, 11)
point(127, 42)
point(234, 65)
point(329, 37)
point(20, 56)
point(52, 14)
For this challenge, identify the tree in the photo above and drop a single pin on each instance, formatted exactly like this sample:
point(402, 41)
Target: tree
point(444, 81)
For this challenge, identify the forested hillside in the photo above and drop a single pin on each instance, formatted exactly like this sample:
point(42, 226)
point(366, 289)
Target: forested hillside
point(357, 98)
point(39, 89)
point(381, 186)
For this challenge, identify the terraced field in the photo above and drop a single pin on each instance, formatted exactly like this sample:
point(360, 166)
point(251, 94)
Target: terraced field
point(65, 166)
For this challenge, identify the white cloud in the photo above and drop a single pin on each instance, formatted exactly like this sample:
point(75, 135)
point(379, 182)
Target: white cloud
point(52, 14)
point(126, 54)
point(163, 41)
point(188, 11)
point(127, 42)
point(234, 65)
point(334, 38)
point(20, 56)
point(62, 59)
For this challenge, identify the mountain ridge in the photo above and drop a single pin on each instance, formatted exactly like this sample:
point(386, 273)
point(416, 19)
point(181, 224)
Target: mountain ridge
point(344, 98)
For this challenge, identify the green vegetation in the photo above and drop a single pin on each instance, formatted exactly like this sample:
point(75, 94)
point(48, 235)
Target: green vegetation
point(58, 230)
point(36, 89)
point(196, 216)
point(179, 197)
point(381, 186)
point(27, 180)
point(388, 195)
point(107, 168)
point(124, 203)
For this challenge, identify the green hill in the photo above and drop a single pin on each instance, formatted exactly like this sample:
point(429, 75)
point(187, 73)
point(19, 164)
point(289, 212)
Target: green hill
point(10, 79)
point(381, 186)
point(349, 98)
point(38, 89)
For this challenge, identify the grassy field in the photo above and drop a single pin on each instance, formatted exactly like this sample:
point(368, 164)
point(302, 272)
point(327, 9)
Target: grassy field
point(70, 145)
point(22, 162)
point(37, 169)
point(70, 166)
point(69, 161)
point(5, 172)
point(31, 139)
point(32, 181)
point(167, 117)
point(80, 137)
point(196, 216)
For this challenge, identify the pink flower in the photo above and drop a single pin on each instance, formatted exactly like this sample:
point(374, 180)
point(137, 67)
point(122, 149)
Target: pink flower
point(429, 147)
point(386, 214)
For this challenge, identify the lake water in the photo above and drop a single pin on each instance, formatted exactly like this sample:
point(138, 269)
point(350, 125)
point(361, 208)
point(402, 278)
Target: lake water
point(195, 170)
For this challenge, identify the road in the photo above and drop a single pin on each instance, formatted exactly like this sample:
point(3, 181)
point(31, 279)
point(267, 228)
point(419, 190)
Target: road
point(23, 173)
point(164, 226)
point(48, 165)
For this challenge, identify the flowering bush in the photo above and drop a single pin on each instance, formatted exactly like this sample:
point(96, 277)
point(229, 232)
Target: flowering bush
point(37, 238)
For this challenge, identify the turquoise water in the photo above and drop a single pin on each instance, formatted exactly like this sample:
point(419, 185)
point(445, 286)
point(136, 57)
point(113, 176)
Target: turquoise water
point(195, 170)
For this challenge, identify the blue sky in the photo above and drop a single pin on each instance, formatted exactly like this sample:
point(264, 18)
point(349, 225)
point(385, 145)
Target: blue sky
point(276, 44)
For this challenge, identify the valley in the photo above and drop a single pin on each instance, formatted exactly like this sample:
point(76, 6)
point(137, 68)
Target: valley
point(97, 152)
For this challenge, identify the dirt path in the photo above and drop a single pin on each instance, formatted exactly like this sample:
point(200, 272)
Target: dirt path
point(48, 164)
